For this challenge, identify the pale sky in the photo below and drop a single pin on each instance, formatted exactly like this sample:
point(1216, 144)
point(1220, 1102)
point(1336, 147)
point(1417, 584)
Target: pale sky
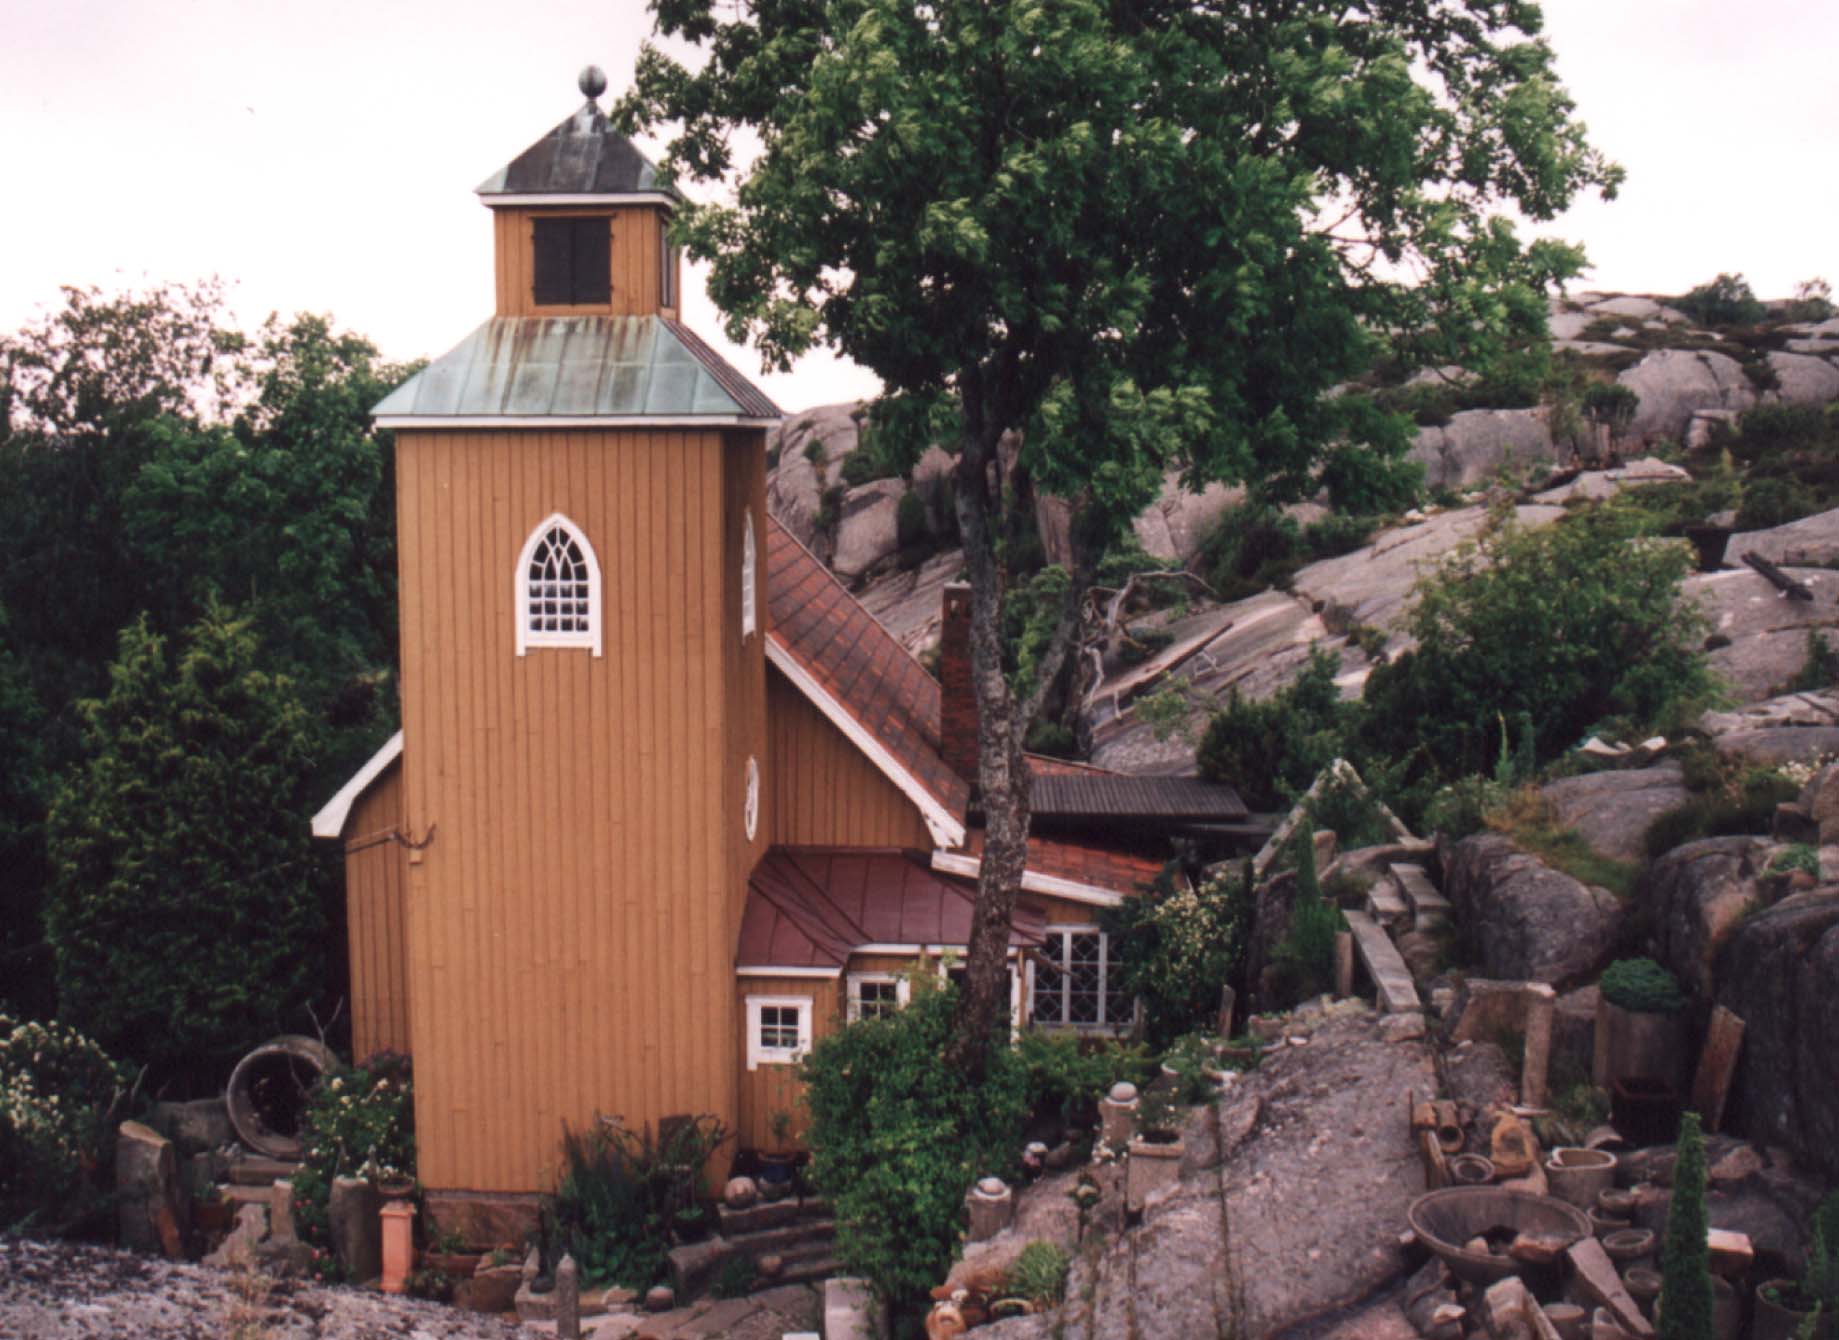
point(320, 156)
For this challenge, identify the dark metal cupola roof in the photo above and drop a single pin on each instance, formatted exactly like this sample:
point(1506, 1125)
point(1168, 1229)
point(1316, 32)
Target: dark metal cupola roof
point(583, 158)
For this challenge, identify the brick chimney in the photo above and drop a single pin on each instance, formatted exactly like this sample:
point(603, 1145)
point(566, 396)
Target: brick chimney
point(958, 696)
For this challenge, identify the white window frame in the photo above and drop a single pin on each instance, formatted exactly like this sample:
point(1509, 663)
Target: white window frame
point(529, 638)
point(759, 1055)
point(1105, 962)
point(750, 582)
point(946, 957)
point(750, 798)
point(903, 990)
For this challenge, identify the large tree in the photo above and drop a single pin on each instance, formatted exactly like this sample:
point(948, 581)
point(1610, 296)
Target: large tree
point(1090, 243)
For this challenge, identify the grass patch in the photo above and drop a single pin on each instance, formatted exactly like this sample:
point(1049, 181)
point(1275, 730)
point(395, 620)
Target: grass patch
point(1528, 819)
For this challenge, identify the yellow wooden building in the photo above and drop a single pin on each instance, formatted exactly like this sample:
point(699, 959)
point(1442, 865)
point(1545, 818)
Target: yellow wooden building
point(667, 803)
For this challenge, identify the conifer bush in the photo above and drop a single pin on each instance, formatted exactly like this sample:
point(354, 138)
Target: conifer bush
point(1686, 1300)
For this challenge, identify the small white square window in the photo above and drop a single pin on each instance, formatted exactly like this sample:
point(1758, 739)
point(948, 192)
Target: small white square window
point(778, 1030)
point(875, 995)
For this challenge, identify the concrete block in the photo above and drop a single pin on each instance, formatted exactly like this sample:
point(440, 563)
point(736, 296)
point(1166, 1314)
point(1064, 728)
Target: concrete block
point(357, 1233)
point(852, 1312)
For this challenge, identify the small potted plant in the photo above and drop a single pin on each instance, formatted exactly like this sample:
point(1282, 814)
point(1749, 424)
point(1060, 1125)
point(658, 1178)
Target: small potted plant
point(1155, 1153)
point(1784, 1307)
point(1640, 1047)
point(448, 1255)
point(776, 1164)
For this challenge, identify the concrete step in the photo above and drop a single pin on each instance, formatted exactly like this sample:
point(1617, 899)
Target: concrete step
point(769, 1214)
point(809, 1270)
point(1391, 978)
point(1428, 906)
point(1386, 905)
point(785, 1240)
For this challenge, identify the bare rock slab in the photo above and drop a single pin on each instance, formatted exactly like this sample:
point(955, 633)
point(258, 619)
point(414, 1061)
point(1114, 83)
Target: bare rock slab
point(1613, 810)
point(1528, 921)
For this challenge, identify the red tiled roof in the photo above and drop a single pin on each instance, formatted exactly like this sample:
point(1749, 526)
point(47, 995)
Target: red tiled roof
point(812, 907)
point(858, 663)
point(1102, 867)
point(1044, 765)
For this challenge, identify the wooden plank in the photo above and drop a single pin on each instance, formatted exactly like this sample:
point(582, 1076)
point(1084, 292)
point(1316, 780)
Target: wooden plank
point(1391, 978)
point(1717, 1066)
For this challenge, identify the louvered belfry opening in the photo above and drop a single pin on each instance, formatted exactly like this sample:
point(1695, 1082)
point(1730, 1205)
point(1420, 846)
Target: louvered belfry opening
point(572, 261)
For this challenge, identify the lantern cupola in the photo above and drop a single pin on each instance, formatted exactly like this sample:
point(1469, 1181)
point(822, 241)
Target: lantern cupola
point(581, 223)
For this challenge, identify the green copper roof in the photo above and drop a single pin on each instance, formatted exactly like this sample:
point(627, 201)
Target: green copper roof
point(578, 367)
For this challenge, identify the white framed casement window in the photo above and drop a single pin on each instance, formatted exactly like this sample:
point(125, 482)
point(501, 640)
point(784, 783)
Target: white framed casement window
point(1073, 982)
point(750, 564)
point(875, 995)
point(778, 1030)
point(557, 588)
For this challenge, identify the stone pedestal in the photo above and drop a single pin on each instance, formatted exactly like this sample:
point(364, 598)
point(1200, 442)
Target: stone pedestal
point(150, 1215)
point(1117, 1115)
point(1541, 1001)
point(1150, 1168)
point(357, 1233)
point(1344, 964)
point(398, 1244)
point(992, 1207)
point(568, 1300)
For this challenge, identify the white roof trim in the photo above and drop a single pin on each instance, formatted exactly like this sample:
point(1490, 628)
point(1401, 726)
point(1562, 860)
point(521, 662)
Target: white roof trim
point(1052, 886)
point(397, 421)
point(946, 830)
point(503, 200)
point(830, 974)
point(330, 821)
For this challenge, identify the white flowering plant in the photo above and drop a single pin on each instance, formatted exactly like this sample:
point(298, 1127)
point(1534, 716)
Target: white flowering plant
point(1179, 943)
point(59, 1094)
point(360, 1122)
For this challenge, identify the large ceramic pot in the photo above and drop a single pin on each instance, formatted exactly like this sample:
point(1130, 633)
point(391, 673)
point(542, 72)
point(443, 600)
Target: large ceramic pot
point(1155, 1162)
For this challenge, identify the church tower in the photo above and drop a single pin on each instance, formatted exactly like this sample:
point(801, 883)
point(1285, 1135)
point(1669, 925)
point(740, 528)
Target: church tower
point(581, 523)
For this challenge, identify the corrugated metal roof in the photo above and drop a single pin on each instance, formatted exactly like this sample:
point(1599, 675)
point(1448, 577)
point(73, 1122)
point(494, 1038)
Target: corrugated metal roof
point(582, 156)
point(579, 367)
point(1126, 797)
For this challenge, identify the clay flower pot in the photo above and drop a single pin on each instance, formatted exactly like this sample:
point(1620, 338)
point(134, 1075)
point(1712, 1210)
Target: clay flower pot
point(1578, 1176)
point(1774, 1320)
point(1629, 1247)
point(1155, 1162)
point(1471, 1170)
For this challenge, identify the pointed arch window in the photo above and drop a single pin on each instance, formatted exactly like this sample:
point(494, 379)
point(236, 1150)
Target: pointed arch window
point(558, 588)
point(750, 618)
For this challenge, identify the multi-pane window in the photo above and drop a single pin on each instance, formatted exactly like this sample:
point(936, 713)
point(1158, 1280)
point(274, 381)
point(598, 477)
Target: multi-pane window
point(573, 261)
point(779, 1027)
point(778, 1030)
point(558, 589)
point(875, 996)
point(1076, 984)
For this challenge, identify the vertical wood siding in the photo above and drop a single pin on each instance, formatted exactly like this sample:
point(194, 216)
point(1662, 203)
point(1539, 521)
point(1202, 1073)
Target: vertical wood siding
point(775, 1088)
point(634, 236)
point(571, 920)
point(824, 792)
point(376, 871)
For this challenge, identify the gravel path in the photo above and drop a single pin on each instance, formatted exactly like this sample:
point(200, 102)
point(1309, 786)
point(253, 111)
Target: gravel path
point(66, 1291)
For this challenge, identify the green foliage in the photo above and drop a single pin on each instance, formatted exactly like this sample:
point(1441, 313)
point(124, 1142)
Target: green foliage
point(1039, 1273)
point(1778, 427)
point(1685, 1259)
point(622, 1193)
point(897, 1138)
point(734, 1279)
point(1190, 1058)
point(1305, 958)
point(1796, 857)
point(1462, 807)
point(1727, 798)
point(1064, 1073)
point(1569, 624)
point(1821, 668)
point(1177, 945)
point(1255, 545)
point(1812, 301)
point(1272, 750)
point(359, 1122)
point(1611, 404)
point(186, 923)
point(1643, 986)
point(1725, 301)
point(1345, 806)
point(59, 1097)
point(151, 458)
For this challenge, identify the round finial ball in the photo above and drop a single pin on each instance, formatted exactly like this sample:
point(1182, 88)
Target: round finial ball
point(592, 81)
point(1123, 1092)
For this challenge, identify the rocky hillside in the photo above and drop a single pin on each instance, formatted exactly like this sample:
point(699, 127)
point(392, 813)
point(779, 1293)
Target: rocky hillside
point(890, 537)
